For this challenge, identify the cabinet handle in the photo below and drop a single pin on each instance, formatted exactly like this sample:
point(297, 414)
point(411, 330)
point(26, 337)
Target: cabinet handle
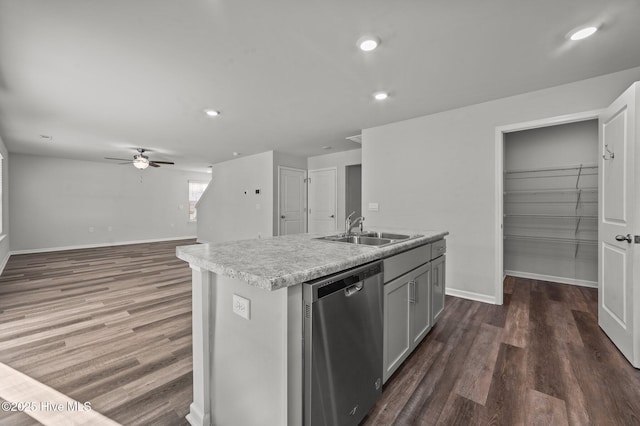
point(412, 291)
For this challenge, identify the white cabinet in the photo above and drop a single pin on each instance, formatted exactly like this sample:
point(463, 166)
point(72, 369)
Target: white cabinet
point(397, 322)
point(414, 294)
point(407, 316)
point(437, 288)
point(420, 303)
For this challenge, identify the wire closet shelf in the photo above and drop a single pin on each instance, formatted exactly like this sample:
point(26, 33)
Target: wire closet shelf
point(555, 205)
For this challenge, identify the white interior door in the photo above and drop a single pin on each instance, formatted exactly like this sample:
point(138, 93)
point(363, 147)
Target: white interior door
point(322, 189)
point(292, 207)
point(617, 312)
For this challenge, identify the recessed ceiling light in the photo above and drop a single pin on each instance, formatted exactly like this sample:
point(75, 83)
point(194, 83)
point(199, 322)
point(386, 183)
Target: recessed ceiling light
point(380, 96)
point(212, 112)
point(235, 154)
point(326, 147)
point(583, 33)
point(47, 137)
point(368, 43)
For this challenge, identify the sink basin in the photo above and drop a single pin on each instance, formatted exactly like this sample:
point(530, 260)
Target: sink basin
point(363, 239)
point(369, 238)
point(387, 235)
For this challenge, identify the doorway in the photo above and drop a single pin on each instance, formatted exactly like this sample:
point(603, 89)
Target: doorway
point(292, 201)
point(353, 190)
point(322, 188)
point(551, 203)
point(501, 135)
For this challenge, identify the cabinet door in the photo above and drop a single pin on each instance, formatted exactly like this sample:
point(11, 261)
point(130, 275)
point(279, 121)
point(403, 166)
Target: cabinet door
point(420, 303)
point(397, 342)
point(438, 286)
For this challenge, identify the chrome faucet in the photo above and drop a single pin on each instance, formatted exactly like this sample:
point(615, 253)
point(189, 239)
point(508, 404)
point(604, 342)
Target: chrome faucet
point(349, 224)
point(356, 221)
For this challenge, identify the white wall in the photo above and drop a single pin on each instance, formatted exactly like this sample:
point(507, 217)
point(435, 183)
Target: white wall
point(438, 172)
point(54, 203)
point(339, 160)
point(4, 235)
point(230, 209)
point(554, 146)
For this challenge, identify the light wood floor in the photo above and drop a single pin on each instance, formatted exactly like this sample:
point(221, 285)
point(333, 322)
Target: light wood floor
point(540, 359)
point(111, 326)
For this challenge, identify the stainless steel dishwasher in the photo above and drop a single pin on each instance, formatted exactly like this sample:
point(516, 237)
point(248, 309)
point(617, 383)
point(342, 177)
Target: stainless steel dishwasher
point(343, 346)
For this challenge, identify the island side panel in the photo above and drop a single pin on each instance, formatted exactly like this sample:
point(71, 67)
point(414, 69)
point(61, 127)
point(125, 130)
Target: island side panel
point(295, 347)
point(249, 357)
point(200, 408)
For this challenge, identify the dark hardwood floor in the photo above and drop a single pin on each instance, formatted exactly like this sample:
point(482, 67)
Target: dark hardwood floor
point(108, 325)
point(539, 359)
point(113, 326)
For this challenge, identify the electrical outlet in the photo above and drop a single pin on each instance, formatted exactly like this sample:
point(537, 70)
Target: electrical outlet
point(374, 207)
point(242, 307)
point(91, 229)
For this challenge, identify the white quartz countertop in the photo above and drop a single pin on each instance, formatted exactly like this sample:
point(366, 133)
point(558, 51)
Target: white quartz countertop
point(277, 262)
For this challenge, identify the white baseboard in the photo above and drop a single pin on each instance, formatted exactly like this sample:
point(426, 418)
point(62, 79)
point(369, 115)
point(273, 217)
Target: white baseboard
point(4, 261)
point(471, 295)
point(110, 244)
point(561, 280)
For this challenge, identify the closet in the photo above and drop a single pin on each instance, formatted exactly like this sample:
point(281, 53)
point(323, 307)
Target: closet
point(551, 203)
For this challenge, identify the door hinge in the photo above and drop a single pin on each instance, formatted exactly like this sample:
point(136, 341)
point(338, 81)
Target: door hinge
point(636, 239)
point(307, 180)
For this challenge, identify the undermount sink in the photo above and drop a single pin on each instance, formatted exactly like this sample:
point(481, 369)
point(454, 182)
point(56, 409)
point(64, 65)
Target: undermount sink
point(387, 235)
point(363, 239)
point(378, 239)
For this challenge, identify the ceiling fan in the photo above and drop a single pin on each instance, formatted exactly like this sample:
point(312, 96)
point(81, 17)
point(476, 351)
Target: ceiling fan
point(140, 160)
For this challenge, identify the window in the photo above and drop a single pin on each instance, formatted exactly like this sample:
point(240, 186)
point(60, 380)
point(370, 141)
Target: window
point(195, 192)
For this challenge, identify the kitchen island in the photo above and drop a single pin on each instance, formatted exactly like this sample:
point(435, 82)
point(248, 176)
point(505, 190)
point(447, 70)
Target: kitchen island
point(247, 365)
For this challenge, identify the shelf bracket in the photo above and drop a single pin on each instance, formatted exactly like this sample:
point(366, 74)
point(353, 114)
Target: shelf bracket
point(578, 179)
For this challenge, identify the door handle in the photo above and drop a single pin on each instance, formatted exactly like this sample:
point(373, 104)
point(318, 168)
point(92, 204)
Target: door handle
point(332, 216)
point(626, 238)
point(350, 291)
point(282, 217)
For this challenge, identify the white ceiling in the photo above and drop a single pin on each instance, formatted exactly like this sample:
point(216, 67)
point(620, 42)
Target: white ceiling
point(103, 77)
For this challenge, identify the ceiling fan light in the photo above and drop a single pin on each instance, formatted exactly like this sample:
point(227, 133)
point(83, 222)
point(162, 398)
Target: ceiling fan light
point(140, 162)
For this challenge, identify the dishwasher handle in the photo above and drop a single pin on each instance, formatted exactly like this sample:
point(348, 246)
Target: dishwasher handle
point(351, 290)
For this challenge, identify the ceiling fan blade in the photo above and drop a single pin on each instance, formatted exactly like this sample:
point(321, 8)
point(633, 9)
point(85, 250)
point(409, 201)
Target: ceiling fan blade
point(162, 162)
point(153, 164)
point(117, 159)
